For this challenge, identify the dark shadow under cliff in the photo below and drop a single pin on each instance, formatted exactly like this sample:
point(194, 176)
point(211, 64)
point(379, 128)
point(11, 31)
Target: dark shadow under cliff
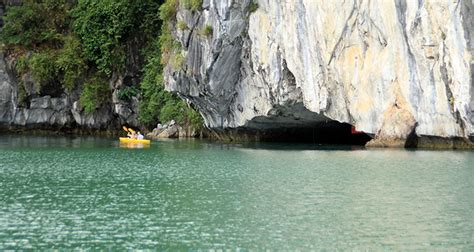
point(331, 132)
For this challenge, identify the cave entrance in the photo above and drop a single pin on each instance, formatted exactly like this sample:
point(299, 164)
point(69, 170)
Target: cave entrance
point(331, 132)
point(295, 123)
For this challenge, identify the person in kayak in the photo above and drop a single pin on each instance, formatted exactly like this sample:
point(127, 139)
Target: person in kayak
point(132, 135)
point(139, 136)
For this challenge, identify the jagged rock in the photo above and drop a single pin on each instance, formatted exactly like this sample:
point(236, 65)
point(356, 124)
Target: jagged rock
point(41, 102)
point(354, 67)
point(24, 103)
point(62, 110)
point(99, 119)
point(170, 132)
point(7, 97)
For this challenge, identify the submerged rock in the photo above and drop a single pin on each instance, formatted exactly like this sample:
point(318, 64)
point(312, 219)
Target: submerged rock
point(398, 70)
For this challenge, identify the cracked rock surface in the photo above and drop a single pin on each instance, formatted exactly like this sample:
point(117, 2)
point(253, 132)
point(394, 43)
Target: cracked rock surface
point(390, 68)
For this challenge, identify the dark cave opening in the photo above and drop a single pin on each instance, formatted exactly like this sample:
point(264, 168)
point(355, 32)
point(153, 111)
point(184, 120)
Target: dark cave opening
point(295, 123)
point(331, 132)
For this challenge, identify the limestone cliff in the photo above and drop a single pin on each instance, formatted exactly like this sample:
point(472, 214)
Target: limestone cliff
point(54, 108)
point(392, 68)
point(25, 104)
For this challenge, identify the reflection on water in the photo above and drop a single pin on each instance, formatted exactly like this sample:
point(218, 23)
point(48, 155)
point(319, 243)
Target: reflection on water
point(178, 195)
point(133, 145)
point(18, 141)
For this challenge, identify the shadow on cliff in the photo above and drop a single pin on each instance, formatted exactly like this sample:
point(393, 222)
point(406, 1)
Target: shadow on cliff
point(321, 133)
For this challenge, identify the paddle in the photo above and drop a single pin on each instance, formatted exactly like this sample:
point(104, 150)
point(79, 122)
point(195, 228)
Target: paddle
point(128, 129)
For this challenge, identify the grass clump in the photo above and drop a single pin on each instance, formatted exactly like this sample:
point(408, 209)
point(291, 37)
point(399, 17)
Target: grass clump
point(182, 25)
point(21, 66)
point(192, 5)
point(207, 31)
point(177, 61)
point(253, 6)
point(168, 10)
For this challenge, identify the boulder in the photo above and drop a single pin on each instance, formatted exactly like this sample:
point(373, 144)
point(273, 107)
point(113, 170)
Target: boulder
point(170, 132)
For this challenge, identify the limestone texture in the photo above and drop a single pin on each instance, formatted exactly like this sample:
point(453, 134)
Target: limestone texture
point(26, 105)
point(392, 68)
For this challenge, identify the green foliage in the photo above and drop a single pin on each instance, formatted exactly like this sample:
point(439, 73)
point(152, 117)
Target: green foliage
point(19, 23)
point(168, 10)
point(176, 109)
point(153, 94)
point(94, 94)
point(157, 104)
point(87, 40)
point(21, 94)
point(182, 25)
point(207, 30)
point(42, 66)
point(177, 61)
point(167, 44)
point(35, 23)
point(101, 27)
point(195, 119)
point(21, 66)
point(70, 62)
point(193, 5)
point(127, 93)
point(253, 6)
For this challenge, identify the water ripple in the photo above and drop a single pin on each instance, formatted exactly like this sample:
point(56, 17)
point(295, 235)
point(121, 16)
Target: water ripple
point(90, 194)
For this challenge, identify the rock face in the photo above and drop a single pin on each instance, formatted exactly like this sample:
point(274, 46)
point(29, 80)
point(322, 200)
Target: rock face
point(173, 130)
point(24, 104)
point(55, 108)
point(394, 68)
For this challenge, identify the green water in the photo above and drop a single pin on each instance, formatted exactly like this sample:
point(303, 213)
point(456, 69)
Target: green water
point(90, 193)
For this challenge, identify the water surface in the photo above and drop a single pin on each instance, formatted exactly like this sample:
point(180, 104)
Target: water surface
point(59, 192)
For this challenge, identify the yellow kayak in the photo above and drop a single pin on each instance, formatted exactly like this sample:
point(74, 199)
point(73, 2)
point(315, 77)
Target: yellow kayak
point(134, 141)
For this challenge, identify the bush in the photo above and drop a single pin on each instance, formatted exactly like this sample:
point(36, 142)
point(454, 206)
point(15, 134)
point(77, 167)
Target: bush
point(70, 62)
point(193, 5)
point(42, 66)
point(20, 27)
point(21, 66)
point(127, 93)
point(168, 10)
point(35, 24)
point(153, 95)
point(174, 109)
point(182, 25)
point(177, 61)
point(102, 27)
point(207, 30)
point(253, 6)
point(95, 93)
point(195, 119)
